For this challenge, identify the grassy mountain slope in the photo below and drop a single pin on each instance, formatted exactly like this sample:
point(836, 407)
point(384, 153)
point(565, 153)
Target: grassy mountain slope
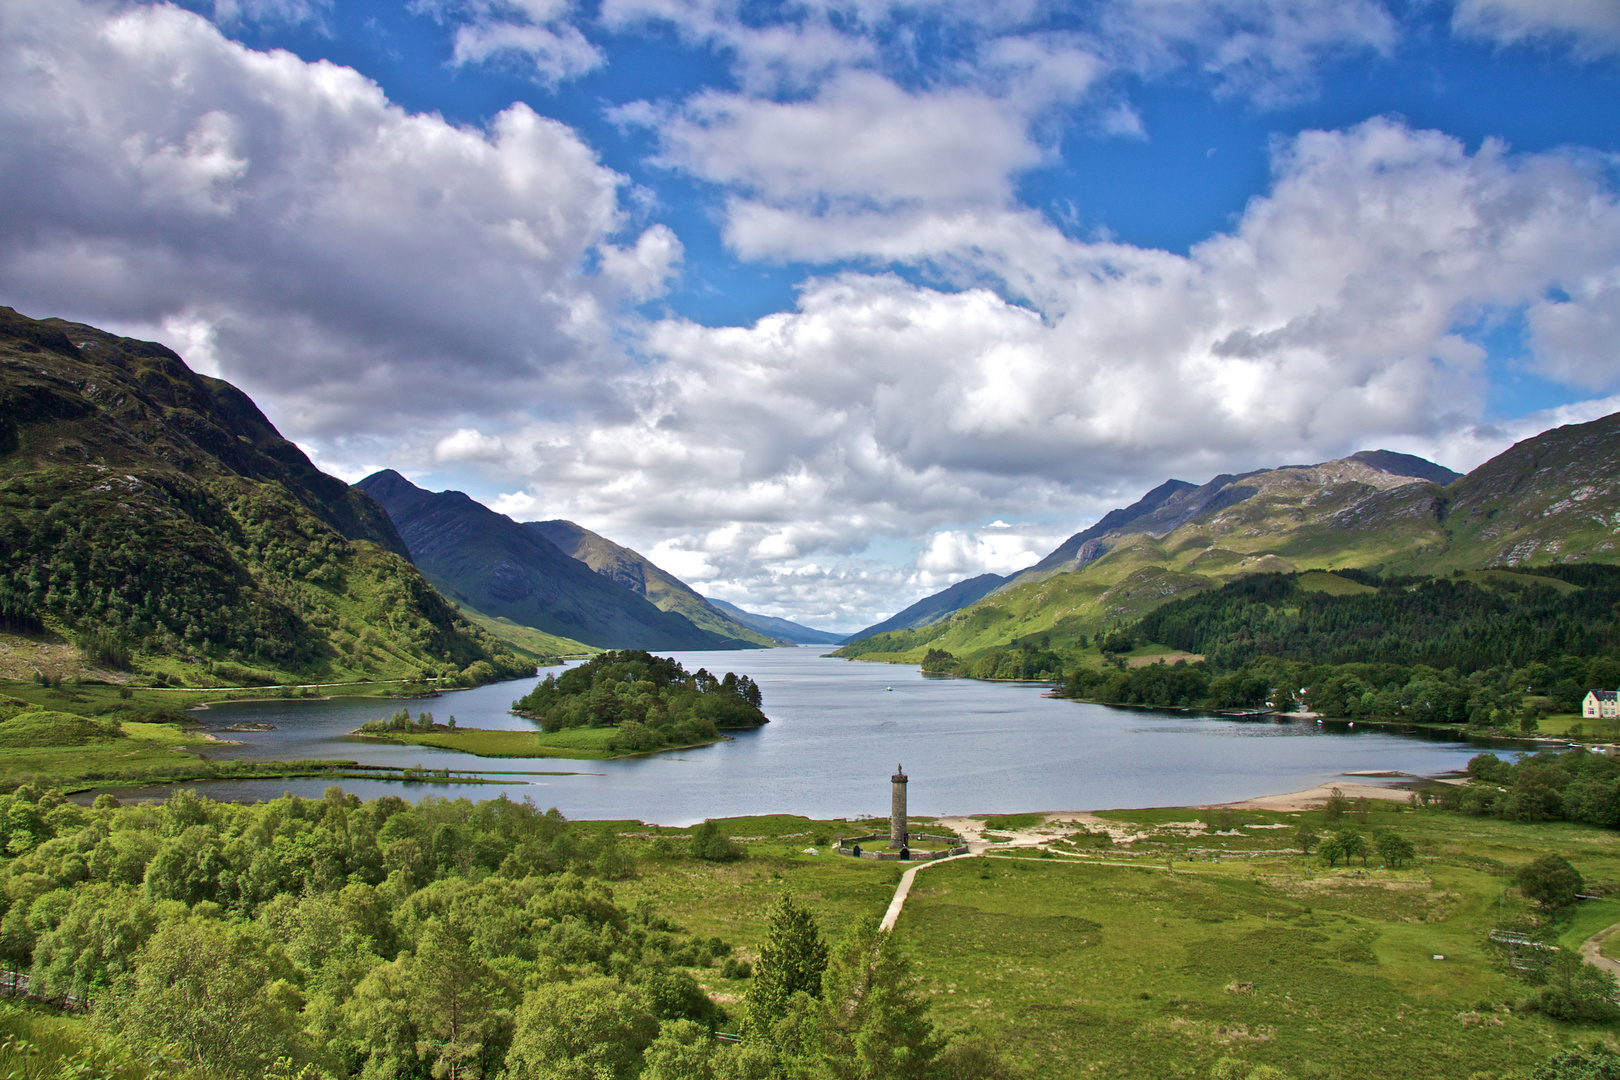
point(781, 629)
point(508, 571)
point(1267, 503)
point(1548, 499)
point(1341, 513)
point(931, 609)
point(635, 572)
point(155, 516)
point(526, 641)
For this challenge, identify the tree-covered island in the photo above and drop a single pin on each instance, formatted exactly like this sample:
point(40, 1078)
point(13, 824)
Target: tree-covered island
point(617, 704)
point(652, 701)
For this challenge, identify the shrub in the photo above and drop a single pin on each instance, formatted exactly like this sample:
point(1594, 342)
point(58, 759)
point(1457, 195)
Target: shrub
point(708, 842)
point(1550, 881)
point(1576, 992)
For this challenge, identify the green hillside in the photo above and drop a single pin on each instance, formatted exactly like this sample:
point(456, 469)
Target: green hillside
point(1545, 501)
point(637, 573)
point(1551, 499)
point(508, 571)
point(526, 641)
point(155, 518)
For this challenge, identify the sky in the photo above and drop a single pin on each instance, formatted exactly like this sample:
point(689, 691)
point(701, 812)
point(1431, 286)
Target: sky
point(825, 306)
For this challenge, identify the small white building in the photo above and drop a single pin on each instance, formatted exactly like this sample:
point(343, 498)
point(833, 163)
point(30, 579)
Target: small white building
point(1601, 705)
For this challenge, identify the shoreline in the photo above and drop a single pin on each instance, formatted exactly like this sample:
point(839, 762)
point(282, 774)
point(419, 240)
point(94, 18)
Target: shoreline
point(1400, 789)
point(981, 839)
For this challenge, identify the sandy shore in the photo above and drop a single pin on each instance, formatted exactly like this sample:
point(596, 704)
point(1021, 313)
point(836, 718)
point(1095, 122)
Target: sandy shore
point(1314, 797)
point(1054, 823)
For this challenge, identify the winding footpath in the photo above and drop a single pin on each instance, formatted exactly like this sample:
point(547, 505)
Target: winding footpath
point(903, 890)
point(1590, 951)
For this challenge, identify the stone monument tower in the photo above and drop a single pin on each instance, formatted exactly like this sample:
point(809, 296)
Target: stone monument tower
point(897, 809)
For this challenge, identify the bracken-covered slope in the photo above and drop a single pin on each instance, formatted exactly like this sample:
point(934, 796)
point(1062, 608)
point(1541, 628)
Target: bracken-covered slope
point(147, 509)
point(505, 570)
point(641, 576)
point(1548, 499)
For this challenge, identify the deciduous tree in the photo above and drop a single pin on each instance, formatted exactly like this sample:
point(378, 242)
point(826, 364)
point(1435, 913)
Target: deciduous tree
point(1550, 881)
point(593, 1029)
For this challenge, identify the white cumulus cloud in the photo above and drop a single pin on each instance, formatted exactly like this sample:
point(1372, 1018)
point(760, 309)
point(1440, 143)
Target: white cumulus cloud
point(1325, 322)
point(335, 252)
point(1592, 27)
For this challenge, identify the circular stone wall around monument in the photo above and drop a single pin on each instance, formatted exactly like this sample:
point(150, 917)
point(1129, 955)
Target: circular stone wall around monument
point(848, 844)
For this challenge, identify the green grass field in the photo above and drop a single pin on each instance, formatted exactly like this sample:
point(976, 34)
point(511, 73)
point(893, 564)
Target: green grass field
point(1124, 963)
point(1083, 967)
point(526, 640)
point(73, 755)
point(584, 744)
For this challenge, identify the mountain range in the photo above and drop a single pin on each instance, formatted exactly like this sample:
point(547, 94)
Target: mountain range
point(156, 518)
point(505, 570)
point(639, 575)
point(1548, 499)
point(782, 629)
point(931, 609)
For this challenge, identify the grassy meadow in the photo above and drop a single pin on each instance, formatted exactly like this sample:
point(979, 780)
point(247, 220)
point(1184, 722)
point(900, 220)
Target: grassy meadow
point(1123, 958)
point(583, 744)
point(80, 736)
point(1151, 943)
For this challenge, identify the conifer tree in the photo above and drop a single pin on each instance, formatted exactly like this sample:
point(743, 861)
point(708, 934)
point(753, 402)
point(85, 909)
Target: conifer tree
point(874, 1023)
point(792, 959)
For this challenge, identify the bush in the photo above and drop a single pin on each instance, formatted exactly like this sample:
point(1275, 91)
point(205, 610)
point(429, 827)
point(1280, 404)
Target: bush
point(1594, 1064)
point(1576, 992)
point(708, 842)
point(1550, 881)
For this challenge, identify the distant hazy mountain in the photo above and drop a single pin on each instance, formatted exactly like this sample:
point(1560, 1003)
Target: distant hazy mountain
point(781, 629)
point(641, 576)
point(1548, 499)
point(156, 515)
point(506, 570)
point(931, 609)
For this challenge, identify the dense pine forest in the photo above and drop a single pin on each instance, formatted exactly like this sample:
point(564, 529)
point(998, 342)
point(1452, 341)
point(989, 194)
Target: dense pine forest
point(1468, 623)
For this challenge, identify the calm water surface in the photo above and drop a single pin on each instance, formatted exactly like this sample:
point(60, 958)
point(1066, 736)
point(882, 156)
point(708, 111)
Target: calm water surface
point(837, 730)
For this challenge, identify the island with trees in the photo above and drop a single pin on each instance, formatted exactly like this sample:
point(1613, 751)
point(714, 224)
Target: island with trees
point(617, 704)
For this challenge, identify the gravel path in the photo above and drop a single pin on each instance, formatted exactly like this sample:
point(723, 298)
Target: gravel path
point(1590, 947)
point(903, 890)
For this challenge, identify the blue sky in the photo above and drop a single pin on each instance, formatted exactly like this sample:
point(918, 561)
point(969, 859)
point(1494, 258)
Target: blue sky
point(827, 305)
point(1202, 156)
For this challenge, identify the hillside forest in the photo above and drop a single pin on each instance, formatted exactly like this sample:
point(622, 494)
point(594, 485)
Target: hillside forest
point(156, 519)
point(1492, 649)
